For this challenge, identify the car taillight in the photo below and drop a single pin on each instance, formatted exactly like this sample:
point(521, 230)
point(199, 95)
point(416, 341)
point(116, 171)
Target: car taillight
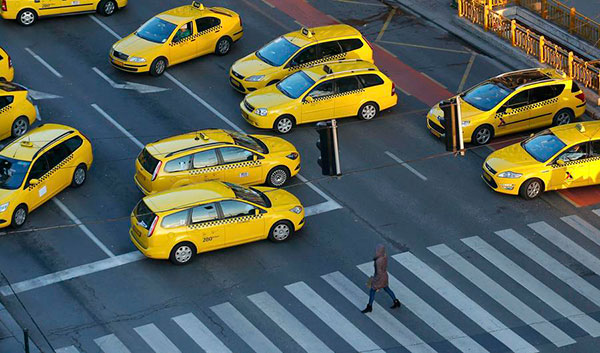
point(156, 170)
point(581, 97)
point(4, 8)
point(369, 43)
point(393, 88)
point(152, 226)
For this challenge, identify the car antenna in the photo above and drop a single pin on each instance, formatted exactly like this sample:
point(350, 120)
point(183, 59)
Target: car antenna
point(200, 135)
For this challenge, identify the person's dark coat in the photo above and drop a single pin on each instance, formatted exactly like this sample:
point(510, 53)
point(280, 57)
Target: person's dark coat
point(380, 278)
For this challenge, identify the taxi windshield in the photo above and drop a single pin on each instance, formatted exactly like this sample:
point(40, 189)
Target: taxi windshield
point(12, 172)
point(277, 52)
point(294, 85)
point(543, 145)
point(486, 95)
point(248, 141)
point(156, 30)
point(249, 194)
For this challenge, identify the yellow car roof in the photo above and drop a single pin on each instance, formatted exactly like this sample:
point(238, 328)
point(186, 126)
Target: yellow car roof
point(186, 13)
point(340, 66)
point(189, 195)
point(172, 145)
point(321, 34)
point(25, 147)
point(516, 79)
point(576, 133)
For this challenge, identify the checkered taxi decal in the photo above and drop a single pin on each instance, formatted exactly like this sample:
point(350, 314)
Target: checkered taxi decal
point(337, 95)
point(525, 108)
point(224, 221)
point(217, 168)
point(52, 171)
point(5, 109)
point(189, 38)
point(317, 62)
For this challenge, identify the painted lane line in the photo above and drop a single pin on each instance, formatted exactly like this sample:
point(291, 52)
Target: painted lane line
point(288, 323)
point(380, 315)
point(434, 80)
point(118, 126)
point(69, 349)
point(410, 45)
point(111, 344)
point(37, 95)
point(156, 339)
point(406, 165)
point(140, 88)
point(502, 296)
point(403, 91)
point(244, 328)
point(321, 208)
point(332, 318)
point(428, 314)
point(268, 3)
point(467, 72)
point(200, 333)
point(386, 24)
point(43, 62)
point(38, 115)
point(583, 227)
point(114, 34)
point(533, 285)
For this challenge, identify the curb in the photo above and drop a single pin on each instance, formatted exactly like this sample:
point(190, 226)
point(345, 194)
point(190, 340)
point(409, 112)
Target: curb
point(11, 325)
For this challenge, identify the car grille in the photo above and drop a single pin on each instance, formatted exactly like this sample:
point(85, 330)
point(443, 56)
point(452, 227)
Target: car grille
point(235, 74)
point(489, 180)
point(248, 106)
point(437, 128)
point(120, 55)
point(487, 166)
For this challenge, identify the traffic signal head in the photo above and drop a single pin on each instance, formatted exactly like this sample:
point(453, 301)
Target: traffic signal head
point(325, 145)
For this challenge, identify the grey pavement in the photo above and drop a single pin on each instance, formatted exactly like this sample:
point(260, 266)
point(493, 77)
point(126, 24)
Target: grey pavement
point(11, 334)
point(589, 8)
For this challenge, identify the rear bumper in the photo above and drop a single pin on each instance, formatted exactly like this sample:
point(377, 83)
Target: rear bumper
point(142, 189)
point(149, 252)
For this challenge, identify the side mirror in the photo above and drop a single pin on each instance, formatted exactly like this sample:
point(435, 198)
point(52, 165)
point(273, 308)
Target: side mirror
point(33, 182)
point(560, 162)
point(254, 157)
point(256, 212)
point(308, 99)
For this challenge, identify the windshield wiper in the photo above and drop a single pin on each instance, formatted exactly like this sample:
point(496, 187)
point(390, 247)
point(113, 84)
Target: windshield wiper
point(258, 55)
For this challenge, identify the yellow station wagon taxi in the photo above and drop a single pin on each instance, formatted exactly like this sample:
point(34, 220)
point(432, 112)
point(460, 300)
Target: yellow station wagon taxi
point(17, 112)
point(27, 12)
point(175, 36)
point(513, 102)
point(335, 90)
point(39, 165)
point(180, 223)
point(7, 71)
point(557, 158)
point(297, 50)
point(215, 155)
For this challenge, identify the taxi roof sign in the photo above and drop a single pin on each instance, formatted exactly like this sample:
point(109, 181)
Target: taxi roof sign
point(27, 143)
point(580, 127)
point(198, 5)
point(306, 32)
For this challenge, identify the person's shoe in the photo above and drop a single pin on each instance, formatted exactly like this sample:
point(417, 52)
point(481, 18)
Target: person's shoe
point(368, 309)
point(397, 304)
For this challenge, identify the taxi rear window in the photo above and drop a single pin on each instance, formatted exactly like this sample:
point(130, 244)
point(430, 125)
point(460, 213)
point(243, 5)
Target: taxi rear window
point(147, 161)
point(144, 215)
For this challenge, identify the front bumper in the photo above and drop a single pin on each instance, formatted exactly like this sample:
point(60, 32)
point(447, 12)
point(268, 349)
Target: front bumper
point(127, 66)
point(502, 185)
point(261, 122)
point(243, 86)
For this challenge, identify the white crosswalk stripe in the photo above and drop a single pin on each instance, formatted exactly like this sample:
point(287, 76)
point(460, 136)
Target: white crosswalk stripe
point(111, 344)
point(533, 285)
point(502, 296)
point(332, 318)
point(380, 316)
point(156, 339)
point(583, 227)
point(69, 349)
point(200, 333)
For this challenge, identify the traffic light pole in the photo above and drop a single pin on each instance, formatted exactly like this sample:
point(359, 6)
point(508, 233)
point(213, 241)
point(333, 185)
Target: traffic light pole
point(336, 149)
point(460, 129)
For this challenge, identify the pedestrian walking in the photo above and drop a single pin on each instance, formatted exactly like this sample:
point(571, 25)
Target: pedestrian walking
point(380, 279)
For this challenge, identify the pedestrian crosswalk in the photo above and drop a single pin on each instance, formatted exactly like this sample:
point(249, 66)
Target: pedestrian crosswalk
point(519, 290)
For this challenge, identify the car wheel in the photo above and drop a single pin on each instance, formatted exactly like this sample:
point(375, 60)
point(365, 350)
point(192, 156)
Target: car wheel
point(26, 17)
point(531, 189)
point(368, 111)
point(107, 7)
point(281, 231)
point(182, 253)
point(79, 176)
point(19, 126)
point(562, 117)
point(223, 46)
point(19, 216)
point(278, 176)
point(158, 66)
point(482, 135)
point(284, 124)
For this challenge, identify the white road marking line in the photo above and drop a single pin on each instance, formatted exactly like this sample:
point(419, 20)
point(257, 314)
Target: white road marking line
point(434, 80)
point(200, 333)
point(467, 72)
point(332, 318)
point(111, 344)
point(406, 165)
point(428, 314)
point(244, 328)
point(403, 91)
point(43, 62)
point(268, 3)
point(140, 88)
point(38, 116)
point(533, 285)
point(156, 339)
point(288, 323)
point(118, 126)
point(583, 227)
point(321, 208)
point(69, 349)
point(502, 296)
point(104, 26)
point(37, 95)
point(380, 315)
point(82, 226)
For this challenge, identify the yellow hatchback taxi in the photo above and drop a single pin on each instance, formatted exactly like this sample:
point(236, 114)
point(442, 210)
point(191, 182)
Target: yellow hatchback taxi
point(17, 112)
point(39, 165)
point(335, 90)
point(177, 224)
point(297, 50)
point(557, 158)
point(7, 71)
point(513, 102)
point(215, 155)
point(175, 36)
point(27, 12)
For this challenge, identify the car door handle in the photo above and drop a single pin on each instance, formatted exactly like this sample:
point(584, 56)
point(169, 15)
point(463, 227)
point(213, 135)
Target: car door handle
point(193, 40)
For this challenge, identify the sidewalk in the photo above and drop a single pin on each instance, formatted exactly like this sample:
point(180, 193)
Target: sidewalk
point(11, 334)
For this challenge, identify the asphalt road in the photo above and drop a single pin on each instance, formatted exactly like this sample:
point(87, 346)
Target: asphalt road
point(440, 199)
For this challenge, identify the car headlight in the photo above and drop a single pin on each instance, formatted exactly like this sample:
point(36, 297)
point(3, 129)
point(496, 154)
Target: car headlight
point(293, 155)
point(261, 111)
point(510, 175)
point(4, 206)
point(297, 209)
point(255, 78)
point(136, 59)
point(466, 123)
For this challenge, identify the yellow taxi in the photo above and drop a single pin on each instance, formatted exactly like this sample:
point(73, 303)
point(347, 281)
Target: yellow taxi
point(39, 165)
point(335, 90)
point(513, 102)
point(27, 12)
point(7, 71)
point(557, 158)
point(215, 155)
point(17, 112)
point(179, 223)
point(297, 50)
point(175, 36)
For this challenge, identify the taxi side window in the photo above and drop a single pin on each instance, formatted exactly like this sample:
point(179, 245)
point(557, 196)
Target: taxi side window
point(323, 89)
point(175, 220)
point(595, 148)
point(233, 209)
point(234, 154)
point(73, 143)
point(370, 80)
point(328, 49)
point(57, 154)
point(346, 84)
point(178, 164)
point(306, 55)
point(351, 44)
point(204, 23)
point(574, 153)
point(204, 213)
point(183, 32)
point(38, 169)
point(5, 100)
point(205, 159)
point(519, 100)
point(540, 94)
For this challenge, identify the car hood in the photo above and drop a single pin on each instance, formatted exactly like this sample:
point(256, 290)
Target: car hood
point(510, 158)
point(6, 195)
point(251, 65)
point(133, 45)
point(267, 97)
point(276, 144)
point(467, 111)
point(280, 198)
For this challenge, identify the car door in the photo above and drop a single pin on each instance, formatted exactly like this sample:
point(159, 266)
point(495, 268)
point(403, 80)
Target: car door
point(61, 170)
point(243, 222)
point(178, 172)
point(209, 32)
point(348, 97)
point(206, 228)
point(319, 103)
point(544, 103)
point(205, 167)
point(514, 114)
point(570, 168)
point(72, 6)
point(49, 7)
point(594, 163)
point(183, 45)
point(38, 193)
point(7, 115)
point(304, 58)
point(241, 166)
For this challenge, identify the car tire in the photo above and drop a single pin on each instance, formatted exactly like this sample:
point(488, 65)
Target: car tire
point(182, 253)
point(531, 189)
point(281, 231)
point(223, 46)
point(107, 7)
point(278, 176)
point(27, 17)
point(19, 126)
point(562, 117)
point(482, 135)
point(272, 82)
point(158, 66)
point(79, 176)
point(284, 124)
point(368, 111)
point(19, 216)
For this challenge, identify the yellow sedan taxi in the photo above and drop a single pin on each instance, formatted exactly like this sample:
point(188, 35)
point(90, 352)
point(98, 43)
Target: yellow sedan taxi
point(17, 112)
point(297, 50)
point(7, 71)
point(177, 224)
point(27, 12)
point(215, 155)
point(557, 158)
point(513, 102)
point(335, 90)
point(175, 36)
point(39, 165)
